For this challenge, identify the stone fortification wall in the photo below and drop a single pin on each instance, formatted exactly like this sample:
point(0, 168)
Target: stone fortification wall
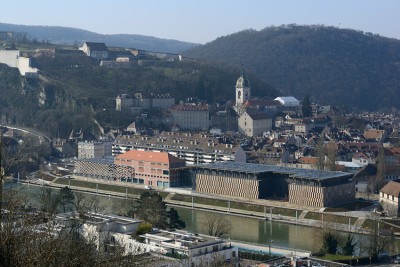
point(13, 59)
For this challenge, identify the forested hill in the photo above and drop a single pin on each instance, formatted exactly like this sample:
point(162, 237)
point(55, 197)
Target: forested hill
point(334, 66)
point(67, 36)
point(73, 90)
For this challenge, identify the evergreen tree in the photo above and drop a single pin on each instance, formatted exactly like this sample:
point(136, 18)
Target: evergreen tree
point(153, 210)
point(380, 172)
point(348, 248)
point(306, 106)
point(67, 198)
point(174, 220)
point(331, 157)
point(330, 243)
point(320, 153)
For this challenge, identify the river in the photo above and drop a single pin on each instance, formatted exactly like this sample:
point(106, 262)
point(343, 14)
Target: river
point(243, 228)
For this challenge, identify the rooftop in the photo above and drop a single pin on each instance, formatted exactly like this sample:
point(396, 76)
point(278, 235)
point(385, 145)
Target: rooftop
point(150, 156)
point(178, 238)
point(260, 168)
point(106, 160)
point(190, 107)
point(392, 188)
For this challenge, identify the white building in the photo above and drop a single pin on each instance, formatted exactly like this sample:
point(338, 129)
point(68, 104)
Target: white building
point(95, 50)
point(201, 250)
point(288, 101)
point(254, 123)
point(13, 59)
point(243, 90)
point(191, 117)
point(91, 149)
point(116, 231)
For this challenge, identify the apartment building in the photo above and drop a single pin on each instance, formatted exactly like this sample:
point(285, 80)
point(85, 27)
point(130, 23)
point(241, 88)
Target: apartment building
point(153, 168)
point(92, 149)
point(193, 148)
point(191, 117)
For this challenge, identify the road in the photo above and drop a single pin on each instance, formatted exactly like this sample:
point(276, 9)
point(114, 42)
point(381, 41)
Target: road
point(40, 135)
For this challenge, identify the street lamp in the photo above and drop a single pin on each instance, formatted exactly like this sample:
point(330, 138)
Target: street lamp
point(269, 248)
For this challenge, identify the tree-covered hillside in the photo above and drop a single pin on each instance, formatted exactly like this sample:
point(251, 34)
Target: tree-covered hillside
point(334, 66)
point(73, 90)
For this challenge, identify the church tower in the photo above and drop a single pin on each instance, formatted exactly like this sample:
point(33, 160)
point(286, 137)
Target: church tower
point(243, 90)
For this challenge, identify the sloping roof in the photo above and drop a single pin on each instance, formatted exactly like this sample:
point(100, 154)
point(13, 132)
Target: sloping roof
point(259, 115)
point(261, 103)
point(308, 160)
point(288, 100)
point(360, 155)
point(150, 156)
point(365, 173)
point(97, 46)
point(190, 107)
point(392, 188)
point(374, 134)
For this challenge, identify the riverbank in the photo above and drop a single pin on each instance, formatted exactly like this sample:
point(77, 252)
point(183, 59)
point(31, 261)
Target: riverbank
point(193, 200)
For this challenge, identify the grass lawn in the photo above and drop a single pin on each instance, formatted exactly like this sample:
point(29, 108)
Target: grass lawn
point(370, 224)
point(355, 205)
point(333, 257)
point(236, 205)
point(330, 218)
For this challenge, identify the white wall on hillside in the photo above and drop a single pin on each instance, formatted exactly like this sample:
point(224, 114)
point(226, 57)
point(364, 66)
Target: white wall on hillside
point(13, 59)
point(10, 57)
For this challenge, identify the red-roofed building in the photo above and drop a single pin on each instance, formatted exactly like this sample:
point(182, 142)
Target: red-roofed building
point(308, 160)
point(153, 168)
point(361, 158)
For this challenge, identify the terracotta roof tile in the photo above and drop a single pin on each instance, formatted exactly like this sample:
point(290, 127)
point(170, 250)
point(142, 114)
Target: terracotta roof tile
point(308, 160)
point(392, 188)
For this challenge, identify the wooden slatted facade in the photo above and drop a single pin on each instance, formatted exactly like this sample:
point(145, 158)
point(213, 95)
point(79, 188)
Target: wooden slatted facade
point(311, 188)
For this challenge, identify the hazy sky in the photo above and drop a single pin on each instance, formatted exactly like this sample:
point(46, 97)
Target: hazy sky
point(202, 21)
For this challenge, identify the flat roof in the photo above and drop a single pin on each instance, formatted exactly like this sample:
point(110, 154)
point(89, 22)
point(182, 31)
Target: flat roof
point(180, 238)
point(261, 168)
point(108, 160)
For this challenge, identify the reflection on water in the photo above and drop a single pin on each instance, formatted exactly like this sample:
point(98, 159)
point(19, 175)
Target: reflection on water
point(254, 230)
point(243, 228)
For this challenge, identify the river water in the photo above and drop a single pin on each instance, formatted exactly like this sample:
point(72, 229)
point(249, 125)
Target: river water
point(243, 228)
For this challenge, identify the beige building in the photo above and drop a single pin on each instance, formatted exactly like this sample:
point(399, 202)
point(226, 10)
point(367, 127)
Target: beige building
point(191, 117)
point(254, 123)
point(139, 102)
point(89, 150)
point(389, 198)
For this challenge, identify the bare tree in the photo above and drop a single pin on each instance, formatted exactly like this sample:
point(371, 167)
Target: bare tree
point(320, 153)
point(380, 170)
point(9, 155)
point(331, 157)
point(216, 226)
point(48, 201)
point(85, 203)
